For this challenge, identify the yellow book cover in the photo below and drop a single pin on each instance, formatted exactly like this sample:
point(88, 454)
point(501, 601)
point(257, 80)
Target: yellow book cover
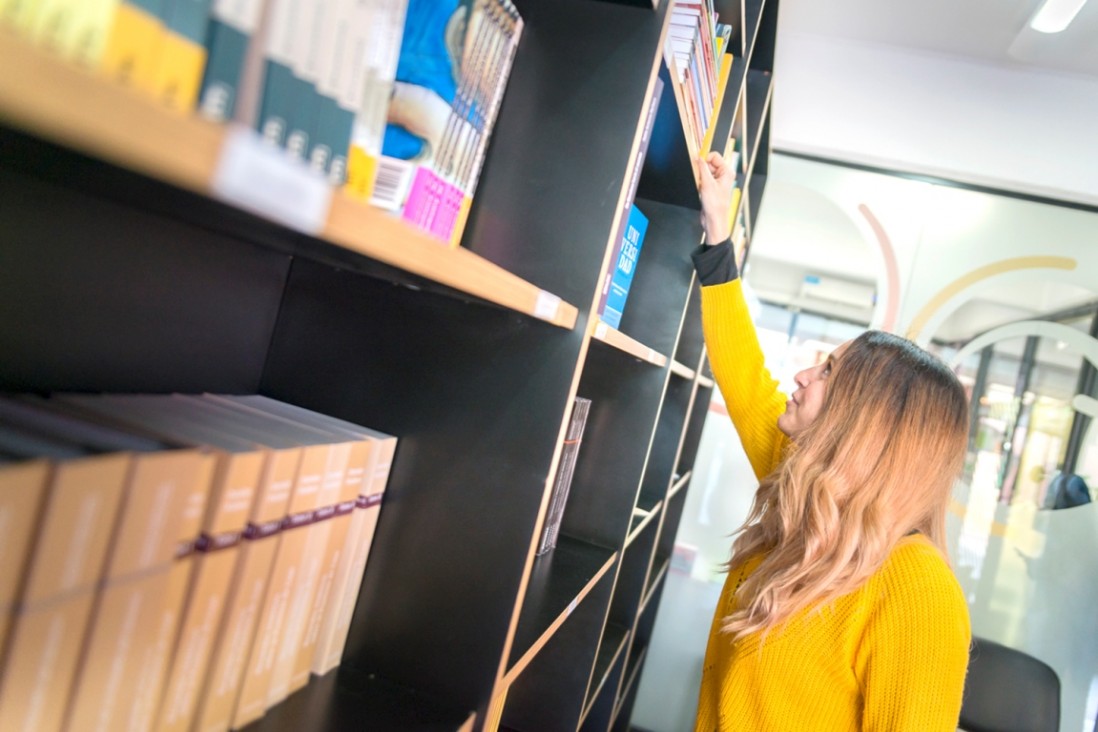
point(133, 47)
point(179, 75)
point(361, 171)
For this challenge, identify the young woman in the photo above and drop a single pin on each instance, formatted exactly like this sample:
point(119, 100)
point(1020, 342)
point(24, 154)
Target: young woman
point(840, 611)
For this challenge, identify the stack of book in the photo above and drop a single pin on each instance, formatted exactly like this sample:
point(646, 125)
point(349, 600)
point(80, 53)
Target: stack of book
point(176, 562)
point(455, 59)
point(693, 51)
point(393, 99)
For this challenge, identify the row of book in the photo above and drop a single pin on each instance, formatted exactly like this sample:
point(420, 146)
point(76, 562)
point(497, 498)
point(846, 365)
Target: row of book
point(694, 49)
point(176, 562)
point(396, 99)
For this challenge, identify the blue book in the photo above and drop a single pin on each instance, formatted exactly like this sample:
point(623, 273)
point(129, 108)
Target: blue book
point(624, 268)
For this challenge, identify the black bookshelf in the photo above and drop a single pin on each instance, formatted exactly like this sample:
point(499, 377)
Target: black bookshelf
point(117, 280)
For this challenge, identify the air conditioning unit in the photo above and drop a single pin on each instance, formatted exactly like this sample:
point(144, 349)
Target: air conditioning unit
point(838, 292)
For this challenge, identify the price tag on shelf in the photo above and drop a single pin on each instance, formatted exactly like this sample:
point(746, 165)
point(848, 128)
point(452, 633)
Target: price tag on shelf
point(263, 179)
point(571, 607)
point(652, 356)
point(600, 331)
point(546, 305)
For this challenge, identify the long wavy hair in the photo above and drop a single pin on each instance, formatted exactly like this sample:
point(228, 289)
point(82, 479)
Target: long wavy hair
point(877, 463)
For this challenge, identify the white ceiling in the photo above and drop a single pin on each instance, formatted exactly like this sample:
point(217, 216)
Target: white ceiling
point(992, 31)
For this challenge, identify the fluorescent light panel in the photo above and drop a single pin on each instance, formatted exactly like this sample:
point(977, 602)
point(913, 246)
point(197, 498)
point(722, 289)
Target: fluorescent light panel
point(1055, 15)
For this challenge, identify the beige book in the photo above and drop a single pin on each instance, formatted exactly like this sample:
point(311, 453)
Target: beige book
point(234, 642)
point(251, 702)
point(65, 564)
point(23, 489)
point(126, 615)
point(338, 562)
point(234, 486)
point(333, 639)
point(149, 687)
point(314, 560)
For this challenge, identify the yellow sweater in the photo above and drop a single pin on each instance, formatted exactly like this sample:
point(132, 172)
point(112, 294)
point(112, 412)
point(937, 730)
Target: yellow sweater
point(888, 657)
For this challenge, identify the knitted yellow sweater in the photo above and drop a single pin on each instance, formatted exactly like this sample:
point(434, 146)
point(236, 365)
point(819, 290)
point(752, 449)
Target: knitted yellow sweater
point(888, 657)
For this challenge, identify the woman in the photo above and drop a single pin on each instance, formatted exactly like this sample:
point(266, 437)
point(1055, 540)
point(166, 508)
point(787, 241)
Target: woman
point(839, 611)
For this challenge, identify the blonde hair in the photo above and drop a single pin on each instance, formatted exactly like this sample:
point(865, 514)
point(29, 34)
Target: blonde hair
point(877, 463)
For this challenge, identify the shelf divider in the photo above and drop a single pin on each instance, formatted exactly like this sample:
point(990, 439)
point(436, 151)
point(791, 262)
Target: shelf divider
point(559, 581)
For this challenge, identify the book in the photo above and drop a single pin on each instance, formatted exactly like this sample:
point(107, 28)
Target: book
point(562, 483)
point(183, 53)
point(134, 43)
point(631, 192)
point(625, 267)
point(332, 632)
point(123, 621)
point(377, 27)
point(62, 573)
point(212, 560)
point(23, 487)
point(230, 30)
point(454, 62)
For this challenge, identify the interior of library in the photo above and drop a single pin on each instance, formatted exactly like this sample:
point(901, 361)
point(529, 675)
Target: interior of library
point(352, 365)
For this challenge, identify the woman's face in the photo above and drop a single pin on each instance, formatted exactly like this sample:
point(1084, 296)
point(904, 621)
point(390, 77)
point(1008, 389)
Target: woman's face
point(806, 401)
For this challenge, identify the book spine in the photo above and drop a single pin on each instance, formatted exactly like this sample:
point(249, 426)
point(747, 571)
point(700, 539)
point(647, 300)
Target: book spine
point(66, 563)
point(135, 43)
point(277, 99)
point(232, 26)
point(558, 497)
point(22, 494)
point(183, 57)
point(330, 532)
point(125, 615)
point(257, 556)
point(251, 703)
point(233, 494)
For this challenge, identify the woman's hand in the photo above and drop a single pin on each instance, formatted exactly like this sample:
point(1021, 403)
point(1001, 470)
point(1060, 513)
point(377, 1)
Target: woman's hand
point(717, 181)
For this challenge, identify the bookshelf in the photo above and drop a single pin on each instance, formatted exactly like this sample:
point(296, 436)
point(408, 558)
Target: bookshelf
point(123, 270)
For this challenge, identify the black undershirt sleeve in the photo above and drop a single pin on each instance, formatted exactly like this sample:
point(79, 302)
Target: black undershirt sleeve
point(715, 264)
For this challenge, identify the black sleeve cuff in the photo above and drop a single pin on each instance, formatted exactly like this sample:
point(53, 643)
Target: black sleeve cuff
point(716, 264)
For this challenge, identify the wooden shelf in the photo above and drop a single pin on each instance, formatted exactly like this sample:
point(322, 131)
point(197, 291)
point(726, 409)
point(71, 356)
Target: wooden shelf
point(559, 581)
point(350, 699)
point(641, 519)
point(682, 370)
point(610, 648)
point(679, 485)
point(654, 583)
point(123, 128)
point(602, 332)
point(632, 672)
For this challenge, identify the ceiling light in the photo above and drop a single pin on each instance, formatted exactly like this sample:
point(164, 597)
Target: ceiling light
point(1055, 15)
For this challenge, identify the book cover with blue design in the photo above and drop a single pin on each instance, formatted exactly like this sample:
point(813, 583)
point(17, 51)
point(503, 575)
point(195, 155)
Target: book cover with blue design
point(625, 267)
